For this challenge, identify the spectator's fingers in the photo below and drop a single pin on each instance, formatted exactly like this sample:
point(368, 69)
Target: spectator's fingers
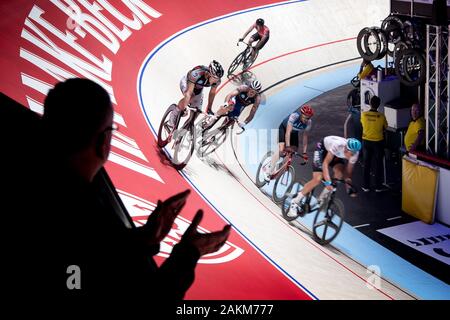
point(195, 222)
point(220, 237)
point(178, 197)
point(177, 202)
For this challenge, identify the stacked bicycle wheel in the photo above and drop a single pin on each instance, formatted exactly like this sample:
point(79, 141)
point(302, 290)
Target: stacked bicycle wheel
point(400, 39)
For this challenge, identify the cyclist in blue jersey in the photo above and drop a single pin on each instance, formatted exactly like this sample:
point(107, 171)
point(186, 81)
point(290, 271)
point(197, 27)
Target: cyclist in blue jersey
point(237, 100)
point(298, 123)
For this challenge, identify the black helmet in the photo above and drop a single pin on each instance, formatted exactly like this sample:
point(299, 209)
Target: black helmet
point(260, 22)
point(216, 69)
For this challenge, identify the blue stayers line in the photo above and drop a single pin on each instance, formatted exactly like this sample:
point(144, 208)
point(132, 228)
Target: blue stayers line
point(184, 175)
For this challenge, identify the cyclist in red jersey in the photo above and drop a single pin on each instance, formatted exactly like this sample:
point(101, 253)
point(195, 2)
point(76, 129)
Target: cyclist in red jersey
point(262, 36)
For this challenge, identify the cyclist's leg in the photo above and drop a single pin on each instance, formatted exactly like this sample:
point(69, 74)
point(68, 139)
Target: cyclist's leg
point(253, 38)
point(281, 146)
point(261, 43)
point(309, 186)
point(177, 112)
point(338, 170)
point(317, 167)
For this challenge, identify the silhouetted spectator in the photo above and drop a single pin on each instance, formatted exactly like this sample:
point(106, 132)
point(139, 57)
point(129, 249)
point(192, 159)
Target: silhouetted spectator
point(83, 230)
point(374, 123)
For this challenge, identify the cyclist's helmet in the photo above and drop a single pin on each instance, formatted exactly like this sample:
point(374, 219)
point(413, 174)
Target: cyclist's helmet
point(260, 22)
point(216, 69)
point(307, 111)
point(256, 85)
point(353, 145)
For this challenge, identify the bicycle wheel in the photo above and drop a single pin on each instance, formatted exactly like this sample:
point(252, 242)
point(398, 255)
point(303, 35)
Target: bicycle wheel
point(164, 130)
point(327, 224)
point(282, 184)
point(236, 62)
point(372, 44)
point(287, 199)
point(260, 182)
point(211, 141)
point(410, 67)
point(184, 147)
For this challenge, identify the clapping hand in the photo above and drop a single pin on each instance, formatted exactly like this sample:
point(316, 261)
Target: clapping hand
point(205, 242)
point(161, 220)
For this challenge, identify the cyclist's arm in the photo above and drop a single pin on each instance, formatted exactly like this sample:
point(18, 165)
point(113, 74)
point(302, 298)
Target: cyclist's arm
point(248, 31)
point(254, 109)
point(212, 95)
point(287, 137)
point(325, 166)
point(305, 141)
point(187, 96)
point(252, 113)
point(232, 94)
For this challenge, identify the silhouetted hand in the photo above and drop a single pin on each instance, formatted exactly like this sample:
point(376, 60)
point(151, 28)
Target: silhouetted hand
point(205, 242)
point(161, 220)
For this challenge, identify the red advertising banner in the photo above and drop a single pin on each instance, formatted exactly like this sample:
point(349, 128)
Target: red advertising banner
point(44, 42)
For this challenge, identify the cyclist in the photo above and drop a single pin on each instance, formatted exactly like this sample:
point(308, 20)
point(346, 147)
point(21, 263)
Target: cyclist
point(332, 151)
point(298, 123)
point(192, 85)
point(237, 100)
point(262, 36)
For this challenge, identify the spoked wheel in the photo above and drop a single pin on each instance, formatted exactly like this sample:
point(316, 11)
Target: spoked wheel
point(263, 165)
point(164, 130)
point(282, 184)
point(184, 147)
point(410, 66)
point(327, 224)
point(211, 141)
point(235, 64)
point(287, 199)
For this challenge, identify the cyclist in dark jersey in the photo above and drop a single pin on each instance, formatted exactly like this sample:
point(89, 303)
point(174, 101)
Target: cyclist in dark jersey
point(192, 85)
point(240, 98)
point(298, 123)
point(261, 35)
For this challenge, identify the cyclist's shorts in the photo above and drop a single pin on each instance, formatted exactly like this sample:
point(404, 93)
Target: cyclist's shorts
point(196, 99)
point(236, 112)
point(319, 154)
point(260, 44)
point(282, 136)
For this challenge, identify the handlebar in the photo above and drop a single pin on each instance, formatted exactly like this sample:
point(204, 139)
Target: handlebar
point(247, 44)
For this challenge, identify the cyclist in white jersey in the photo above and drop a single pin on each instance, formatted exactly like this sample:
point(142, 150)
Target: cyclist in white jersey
point(298, 123)
point(192, 84)
point(332, 151)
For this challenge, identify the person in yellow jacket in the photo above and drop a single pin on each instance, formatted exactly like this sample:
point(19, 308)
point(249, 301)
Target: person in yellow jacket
point(366, 70)
point(416, 129)
point(374, 123)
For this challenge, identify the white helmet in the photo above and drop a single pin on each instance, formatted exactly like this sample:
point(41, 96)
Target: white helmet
point(256, 85)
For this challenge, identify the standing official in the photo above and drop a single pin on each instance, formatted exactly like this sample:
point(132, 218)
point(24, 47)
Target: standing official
point(373, 123)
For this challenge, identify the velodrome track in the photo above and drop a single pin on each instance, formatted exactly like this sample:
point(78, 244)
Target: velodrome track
point(297, 45)
point(265, 257)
